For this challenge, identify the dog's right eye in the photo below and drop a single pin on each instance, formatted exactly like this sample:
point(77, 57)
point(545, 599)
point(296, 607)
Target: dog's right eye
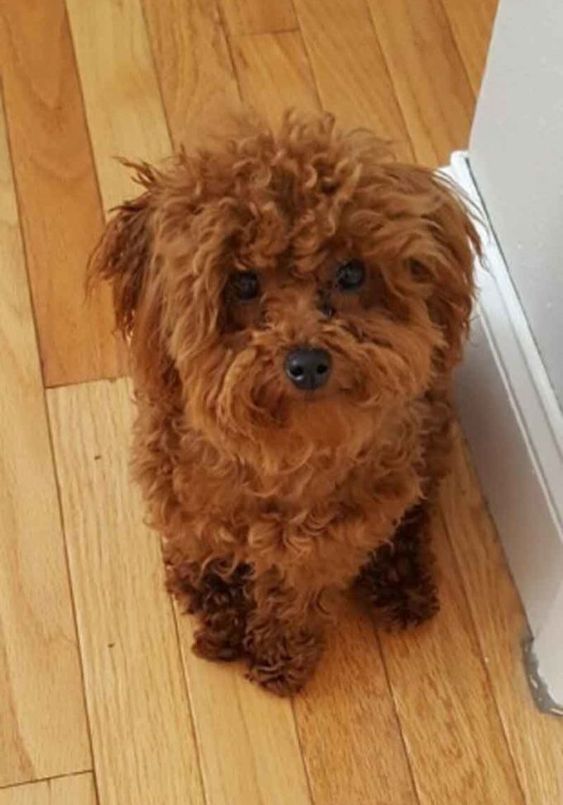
point(350, 276)
point(245, 285)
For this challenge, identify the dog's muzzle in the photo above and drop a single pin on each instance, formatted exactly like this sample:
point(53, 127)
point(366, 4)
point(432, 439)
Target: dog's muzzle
point(308, 368)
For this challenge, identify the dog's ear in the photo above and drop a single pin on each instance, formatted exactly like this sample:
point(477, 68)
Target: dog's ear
point(124, 258)
point(446, 263)
point(123, 253)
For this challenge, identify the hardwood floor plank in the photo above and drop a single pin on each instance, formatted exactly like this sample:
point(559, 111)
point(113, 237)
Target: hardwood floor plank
point(451, 727)
point(427, 74)
point(78, 789)
point(58, 197)
point(259, 16)
point(472, 25)
point(193, 64)
point(350, 70)
point(274, 74)
point(248, 740)
point(142, 733)
point(348, 728)
point(535, 739)
point(121, 94)
point(43, 729)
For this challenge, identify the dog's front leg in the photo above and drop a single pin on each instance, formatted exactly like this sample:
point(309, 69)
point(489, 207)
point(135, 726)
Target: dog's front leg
point(285, 634)
point(398, 578)
point(219, 594)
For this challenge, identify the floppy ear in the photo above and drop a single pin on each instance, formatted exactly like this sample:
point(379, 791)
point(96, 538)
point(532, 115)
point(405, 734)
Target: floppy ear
point(124, 257)
point(447, 265)
point(123, 254)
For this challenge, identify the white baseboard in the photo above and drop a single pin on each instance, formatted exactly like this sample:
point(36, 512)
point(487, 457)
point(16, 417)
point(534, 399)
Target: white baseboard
point(515, 431)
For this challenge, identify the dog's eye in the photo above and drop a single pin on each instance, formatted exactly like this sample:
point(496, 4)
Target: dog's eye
point(417, 269)
point(350, 276)
point(245, 285)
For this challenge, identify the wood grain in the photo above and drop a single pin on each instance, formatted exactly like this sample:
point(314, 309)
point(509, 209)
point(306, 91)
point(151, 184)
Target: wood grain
point(58, 197)
point(142, 734)
point(247, 738)
point(274, 74)
point(447, 713)
point(347, 725)
point(193, 64)
point(259, 16)
point(472, 25)
point(427, 74)
point(77, 789)
point(535, 740)
point(121, 95)
point(349, 68)
point(43, 727)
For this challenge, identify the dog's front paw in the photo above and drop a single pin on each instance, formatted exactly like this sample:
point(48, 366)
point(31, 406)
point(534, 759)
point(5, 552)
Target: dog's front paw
point(404, 608)
point(400, 590)
point(222, 646)
point(221, 631)
point(281, 681)
point(283, 665)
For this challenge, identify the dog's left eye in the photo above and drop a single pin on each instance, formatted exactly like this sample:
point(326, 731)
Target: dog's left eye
point(350, 276)
point(245, 285)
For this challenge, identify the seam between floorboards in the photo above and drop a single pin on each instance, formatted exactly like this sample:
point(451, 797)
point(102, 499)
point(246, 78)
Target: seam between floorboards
point(398, 719)
point(52, 455)
point(222, 23)
point(71, 589)
point(85, 381)
point(473, 623)
point(306, 49)
point(38, 780)
point(392, 84)
point(302, 753)
point(294, 30)
point(189, 701)
point(171, 141)
point(474, 93)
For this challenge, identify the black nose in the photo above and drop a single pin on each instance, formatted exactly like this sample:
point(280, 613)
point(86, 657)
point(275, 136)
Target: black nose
point(308, 368)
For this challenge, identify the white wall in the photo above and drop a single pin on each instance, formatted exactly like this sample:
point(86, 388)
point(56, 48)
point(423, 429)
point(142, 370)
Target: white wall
point(510, 387)
point(516, 156)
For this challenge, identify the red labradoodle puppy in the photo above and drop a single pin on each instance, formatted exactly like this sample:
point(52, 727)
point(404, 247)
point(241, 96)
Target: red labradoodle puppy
point(295, 304)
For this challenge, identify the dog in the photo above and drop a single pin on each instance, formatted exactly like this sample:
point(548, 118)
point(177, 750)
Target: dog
point(294, 302)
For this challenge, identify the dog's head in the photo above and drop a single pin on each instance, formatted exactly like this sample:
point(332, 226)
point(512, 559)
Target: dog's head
point(291, 290)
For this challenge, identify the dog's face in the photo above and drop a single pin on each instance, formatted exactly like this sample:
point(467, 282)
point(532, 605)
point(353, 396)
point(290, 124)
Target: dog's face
point(297, 289)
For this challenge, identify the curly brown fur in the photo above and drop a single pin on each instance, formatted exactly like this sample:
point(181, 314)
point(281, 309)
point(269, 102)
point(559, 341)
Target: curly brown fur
point(238, 467)
point(284, 635)
point(220, 595)
point(398, 577)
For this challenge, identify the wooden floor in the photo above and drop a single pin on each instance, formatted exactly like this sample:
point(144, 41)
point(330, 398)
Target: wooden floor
point(101, 700)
